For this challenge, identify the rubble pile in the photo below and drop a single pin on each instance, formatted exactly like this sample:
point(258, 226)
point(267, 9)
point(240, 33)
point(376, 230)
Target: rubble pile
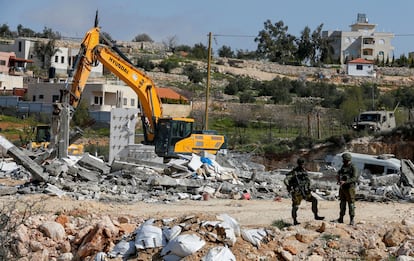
point(85, 236)
point(82, 236)
point(189, 177)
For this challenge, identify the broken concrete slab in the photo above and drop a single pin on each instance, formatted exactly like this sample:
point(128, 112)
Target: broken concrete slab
point(21, 158)
point(407, 172)
point(171, 182)
point(89, 161)
point(7, 190)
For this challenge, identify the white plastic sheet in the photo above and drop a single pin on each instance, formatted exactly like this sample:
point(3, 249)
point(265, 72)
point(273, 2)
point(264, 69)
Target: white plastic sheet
point(171, 233)
point(254, 236)
point(123, 248)
point(232, 222)
point(183, 245)
point(148, 236)
point(219, 253)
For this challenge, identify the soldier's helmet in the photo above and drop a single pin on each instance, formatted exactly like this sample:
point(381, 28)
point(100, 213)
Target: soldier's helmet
point(301, 161)
point(346, 156)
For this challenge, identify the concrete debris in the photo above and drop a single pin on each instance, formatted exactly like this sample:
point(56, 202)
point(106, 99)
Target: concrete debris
point(89, 161)
point(196, 177)
point(7, 190)
point(407, 173)
point(23, 159)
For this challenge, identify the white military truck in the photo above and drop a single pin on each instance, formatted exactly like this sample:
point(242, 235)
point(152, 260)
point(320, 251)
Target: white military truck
point(375, 121)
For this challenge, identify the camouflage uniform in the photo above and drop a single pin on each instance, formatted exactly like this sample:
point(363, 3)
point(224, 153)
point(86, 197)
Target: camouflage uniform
point(298, 185)
point(347, 179)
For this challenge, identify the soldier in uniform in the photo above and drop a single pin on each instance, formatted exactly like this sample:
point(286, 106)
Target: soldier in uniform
point(347, 179)
point(298, 185)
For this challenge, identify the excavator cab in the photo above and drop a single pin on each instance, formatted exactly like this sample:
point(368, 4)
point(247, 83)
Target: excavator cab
point(169, 132)
point(176, 136)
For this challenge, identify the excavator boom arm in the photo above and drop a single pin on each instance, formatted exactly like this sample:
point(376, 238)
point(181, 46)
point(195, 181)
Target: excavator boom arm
point(91, 52)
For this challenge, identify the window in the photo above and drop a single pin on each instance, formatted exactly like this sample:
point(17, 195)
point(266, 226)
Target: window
point(55, 98)
point(56, 59)
point(20, 46)
point(62, 59)
point(359, 67)
point(98, 100)
point(373, 169)
point(125, 101)
point(132, 102)
point(41, 96)
point(2, 62)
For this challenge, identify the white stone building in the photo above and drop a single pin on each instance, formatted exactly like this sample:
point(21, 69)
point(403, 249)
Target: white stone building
point(363, 41)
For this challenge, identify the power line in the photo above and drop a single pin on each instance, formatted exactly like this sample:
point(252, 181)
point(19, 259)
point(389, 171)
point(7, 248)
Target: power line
point(235, 35)
point(403, 34)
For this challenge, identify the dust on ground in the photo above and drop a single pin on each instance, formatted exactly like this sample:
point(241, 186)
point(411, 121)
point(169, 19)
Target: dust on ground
point(249, 213)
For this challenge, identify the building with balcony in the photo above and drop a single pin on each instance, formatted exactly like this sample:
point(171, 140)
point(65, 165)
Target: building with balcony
point(101, 98)
point(61, 62)
point(363, 41)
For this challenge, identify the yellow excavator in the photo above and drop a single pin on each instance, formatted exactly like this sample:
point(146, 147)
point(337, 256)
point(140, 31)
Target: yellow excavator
point(42, 138)
point(170, 136)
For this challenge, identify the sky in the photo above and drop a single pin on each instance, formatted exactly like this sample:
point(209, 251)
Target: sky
point(233, 23)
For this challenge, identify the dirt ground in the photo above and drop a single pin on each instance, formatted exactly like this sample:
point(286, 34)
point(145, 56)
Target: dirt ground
point(249, 213)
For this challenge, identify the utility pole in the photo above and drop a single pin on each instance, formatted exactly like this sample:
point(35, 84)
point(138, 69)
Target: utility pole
point(208, 80)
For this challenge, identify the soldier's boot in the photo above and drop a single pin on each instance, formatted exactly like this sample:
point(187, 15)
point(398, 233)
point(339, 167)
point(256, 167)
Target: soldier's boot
point(342, 206)
point(351, 213)
point(295, 215)
point(319, 217)
point(351, 222)
point(315, 209)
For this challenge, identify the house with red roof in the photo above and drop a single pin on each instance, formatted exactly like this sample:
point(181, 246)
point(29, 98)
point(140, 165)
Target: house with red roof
point(173, 103)
point(361, 67)
point(168, 95)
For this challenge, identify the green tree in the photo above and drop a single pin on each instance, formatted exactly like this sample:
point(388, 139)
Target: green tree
point(50, 34)
point(352, 104)
point(45, 51)
point(168, 64)
point(5, 31)
point(239, 84)
point(405, 96)
point(247, 97)
point(182, 48)
point(25, 32)
point(145, 63)
point(305, 47)
point(225, 51)
point(193, 74)
point(322, 48)
point(275, 43)
point(281, 95)
point(81, 116)
point(142, 38)
point(199, 51)
point(246, 54)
